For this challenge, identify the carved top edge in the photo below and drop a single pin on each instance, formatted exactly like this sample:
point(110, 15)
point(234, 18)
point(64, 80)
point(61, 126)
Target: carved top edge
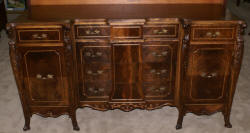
point(126, 21)
point(216, 22)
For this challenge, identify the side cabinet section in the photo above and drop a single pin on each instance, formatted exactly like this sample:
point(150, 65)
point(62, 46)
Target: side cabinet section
point(41, 58)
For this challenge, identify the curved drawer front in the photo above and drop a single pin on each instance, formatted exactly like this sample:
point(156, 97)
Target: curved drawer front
point(92, 31)
point(39, 35)
point(158, 90)
point(156, 72)
point(213, 33)
point(169, 31)
point(97, 72)
point(157, 53)
point(95, 54)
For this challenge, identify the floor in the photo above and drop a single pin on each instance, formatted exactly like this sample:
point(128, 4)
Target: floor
point(137, 121)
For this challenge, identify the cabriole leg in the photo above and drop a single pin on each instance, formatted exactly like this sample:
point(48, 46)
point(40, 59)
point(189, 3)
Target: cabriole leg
point(180, 119)
point(74, 121)
point(27, 123)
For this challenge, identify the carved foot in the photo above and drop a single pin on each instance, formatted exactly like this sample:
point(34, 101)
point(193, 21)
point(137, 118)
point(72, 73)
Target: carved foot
point(74, 121)
point(178, 126)
point(228, 125)
point(76, 128)
point(26, 128)
point(27, 123)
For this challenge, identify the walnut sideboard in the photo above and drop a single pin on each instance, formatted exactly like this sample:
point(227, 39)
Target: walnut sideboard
point(126, 64)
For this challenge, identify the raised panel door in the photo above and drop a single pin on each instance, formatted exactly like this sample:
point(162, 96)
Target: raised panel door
point(45, 77)
point(208, 73)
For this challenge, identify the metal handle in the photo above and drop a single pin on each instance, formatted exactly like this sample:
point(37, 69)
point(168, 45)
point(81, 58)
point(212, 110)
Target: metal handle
point(161, 89)
point(96, 90)
point(42, 36)
point(210, 34)
point(163, 71)
point(95, 32)
point(164, 53)
point(208, 75)
point(48, 76)
point(162, 31)
point(97, 54)
point(98, 72)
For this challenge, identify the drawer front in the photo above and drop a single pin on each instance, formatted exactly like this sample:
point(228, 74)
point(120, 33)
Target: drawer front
point(157, 53)
point(95, 54)
point(156, 72)
point(39, 35)
point(206, 33)
point(126, 32)
point(97, 72)
point(97, 89)
point(158, 90)
point(92, 31)
point(170, 31)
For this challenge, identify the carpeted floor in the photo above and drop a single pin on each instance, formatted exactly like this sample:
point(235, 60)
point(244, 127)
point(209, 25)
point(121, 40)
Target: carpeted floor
point(137, 121)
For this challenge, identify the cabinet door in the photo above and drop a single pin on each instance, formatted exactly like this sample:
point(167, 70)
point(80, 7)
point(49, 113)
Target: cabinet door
point(46, 81)
point(208, 72)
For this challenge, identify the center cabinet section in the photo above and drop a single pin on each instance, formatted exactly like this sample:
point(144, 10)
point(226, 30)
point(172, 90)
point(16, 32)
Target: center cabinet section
point(127, 70)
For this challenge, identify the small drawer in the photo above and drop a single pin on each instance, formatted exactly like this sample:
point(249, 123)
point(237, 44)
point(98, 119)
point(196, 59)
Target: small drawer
point(157, 53)
point(97, 89)
point(126, 32)
point(156, 72)
point(169, 31)
point(97, 72)
point(100, 54)
point(92, 31)
point(204, 33)
point(39, 35)
point(158, 89)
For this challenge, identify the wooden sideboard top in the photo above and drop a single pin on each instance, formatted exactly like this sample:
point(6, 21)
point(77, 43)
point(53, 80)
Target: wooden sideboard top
point(125, 11)
point(77, 2)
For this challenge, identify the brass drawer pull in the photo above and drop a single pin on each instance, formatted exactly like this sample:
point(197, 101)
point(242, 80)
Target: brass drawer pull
point(163, 71)
point(96, 90)
point(42, 36)
point(98, 72)
point(93, 55)
point(159, 32)
point(48, 76)
point(216, 34)
point(208, 75)
point(164, 53)
point(94, 32)
point(161, 89)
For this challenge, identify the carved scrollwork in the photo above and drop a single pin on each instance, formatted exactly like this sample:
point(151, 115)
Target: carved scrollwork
point(239, 47)
point(51, 113)
point(127, 106)
point(185, 43)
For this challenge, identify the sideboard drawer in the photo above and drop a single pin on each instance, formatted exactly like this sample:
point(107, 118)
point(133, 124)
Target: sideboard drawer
point(39, 35)
point(156, 72)
point(97, 72)
point(158, 89)
point(96, 54)
point(92, 31)
point(213, 33)
point(170, 31)
point(157, 53)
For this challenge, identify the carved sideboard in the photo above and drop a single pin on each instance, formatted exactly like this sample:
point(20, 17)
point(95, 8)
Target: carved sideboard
point(126, 64)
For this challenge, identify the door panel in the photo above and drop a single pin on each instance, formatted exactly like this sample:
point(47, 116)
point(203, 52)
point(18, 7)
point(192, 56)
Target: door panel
point(45, 76)
point(208, 72)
